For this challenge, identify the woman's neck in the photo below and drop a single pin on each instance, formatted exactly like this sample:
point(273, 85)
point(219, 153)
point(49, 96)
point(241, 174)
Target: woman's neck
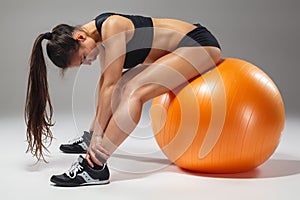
point(92, 31)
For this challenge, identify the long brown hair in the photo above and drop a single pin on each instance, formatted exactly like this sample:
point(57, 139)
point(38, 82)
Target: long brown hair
point(38, 108)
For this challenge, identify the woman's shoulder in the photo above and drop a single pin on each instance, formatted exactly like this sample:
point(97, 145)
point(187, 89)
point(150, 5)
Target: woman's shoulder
point(109, 24)
point(99, 20)
point(103, 16)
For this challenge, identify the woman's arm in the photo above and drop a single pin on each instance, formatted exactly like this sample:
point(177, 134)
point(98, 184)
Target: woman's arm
point(114, 44)
point(94, 123)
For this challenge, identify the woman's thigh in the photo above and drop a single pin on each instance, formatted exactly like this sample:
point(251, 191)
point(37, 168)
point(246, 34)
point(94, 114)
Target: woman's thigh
point(172, 70)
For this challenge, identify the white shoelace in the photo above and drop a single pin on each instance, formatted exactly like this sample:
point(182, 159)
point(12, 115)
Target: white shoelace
point(72, 172)
point(76, 140)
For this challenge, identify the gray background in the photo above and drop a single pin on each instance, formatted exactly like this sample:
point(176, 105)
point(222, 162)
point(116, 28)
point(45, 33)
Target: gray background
point(264, 32)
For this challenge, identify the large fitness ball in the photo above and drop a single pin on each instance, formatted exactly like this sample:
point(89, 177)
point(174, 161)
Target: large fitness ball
point(228, 120)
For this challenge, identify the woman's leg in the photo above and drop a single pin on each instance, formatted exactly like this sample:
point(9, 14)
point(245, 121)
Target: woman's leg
point(165, 74)
point(124, 79)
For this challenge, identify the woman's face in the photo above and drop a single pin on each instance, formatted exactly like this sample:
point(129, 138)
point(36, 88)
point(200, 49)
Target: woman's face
point(86, 53)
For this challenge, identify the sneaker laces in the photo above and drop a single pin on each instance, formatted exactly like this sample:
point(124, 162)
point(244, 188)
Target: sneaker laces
point(75, 168)
point(86, 138)
point(76, 140)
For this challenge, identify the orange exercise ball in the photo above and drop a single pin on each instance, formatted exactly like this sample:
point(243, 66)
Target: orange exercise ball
point(228, 120)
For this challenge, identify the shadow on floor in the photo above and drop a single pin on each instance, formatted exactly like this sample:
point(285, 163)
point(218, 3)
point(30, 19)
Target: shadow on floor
point(270, 169)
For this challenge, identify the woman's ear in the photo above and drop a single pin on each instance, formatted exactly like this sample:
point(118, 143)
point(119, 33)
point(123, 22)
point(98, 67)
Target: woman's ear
point(80, 36)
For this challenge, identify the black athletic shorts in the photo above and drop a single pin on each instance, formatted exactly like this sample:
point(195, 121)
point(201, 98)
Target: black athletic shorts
point(199, 36)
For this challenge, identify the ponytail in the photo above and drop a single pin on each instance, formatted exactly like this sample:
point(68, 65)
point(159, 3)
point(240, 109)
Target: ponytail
point(37, 119)
point(61, 47)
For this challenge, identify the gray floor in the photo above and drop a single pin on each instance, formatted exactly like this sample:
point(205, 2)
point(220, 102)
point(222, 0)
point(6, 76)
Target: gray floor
point(140, 171)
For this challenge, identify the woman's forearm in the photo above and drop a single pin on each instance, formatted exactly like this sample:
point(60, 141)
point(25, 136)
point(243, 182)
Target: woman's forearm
point(104, 108)
point(94, 121)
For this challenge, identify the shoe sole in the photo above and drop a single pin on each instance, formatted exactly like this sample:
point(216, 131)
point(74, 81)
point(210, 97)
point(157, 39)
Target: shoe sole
point(71, 152)
point(83, 184)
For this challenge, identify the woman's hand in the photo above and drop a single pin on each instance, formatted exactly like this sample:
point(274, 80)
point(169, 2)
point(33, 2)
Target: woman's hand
point(96, 153)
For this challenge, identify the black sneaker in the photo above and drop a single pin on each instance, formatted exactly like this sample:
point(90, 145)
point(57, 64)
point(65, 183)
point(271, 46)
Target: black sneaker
point(81, 174)
point(77, 145)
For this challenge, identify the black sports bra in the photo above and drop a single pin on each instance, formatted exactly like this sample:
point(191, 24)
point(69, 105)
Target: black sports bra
point(138, 48)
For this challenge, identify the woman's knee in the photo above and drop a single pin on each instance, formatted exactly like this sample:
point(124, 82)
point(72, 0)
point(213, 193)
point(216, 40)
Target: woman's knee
point(131, 91)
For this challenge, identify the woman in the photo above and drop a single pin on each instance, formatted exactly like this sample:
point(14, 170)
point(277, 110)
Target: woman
point(163, 53)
